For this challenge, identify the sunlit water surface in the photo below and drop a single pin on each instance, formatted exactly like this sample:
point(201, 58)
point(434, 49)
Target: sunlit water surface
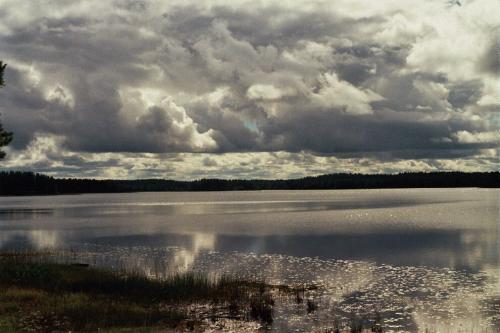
point(418, 258)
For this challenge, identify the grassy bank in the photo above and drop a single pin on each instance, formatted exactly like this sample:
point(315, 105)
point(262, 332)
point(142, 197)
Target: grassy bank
point(37, 295)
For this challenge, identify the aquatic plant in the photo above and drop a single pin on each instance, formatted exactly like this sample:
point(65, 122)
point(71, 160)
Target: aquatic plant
point(38, 294)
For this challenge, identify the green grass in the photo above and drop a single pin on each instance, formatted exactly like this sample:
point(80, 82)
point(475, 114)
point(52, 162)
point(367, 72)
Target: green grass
point(37, 295)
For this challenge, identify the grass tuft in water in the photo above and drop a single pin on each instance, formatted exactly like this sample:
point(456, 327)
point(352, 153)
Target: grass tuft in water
point(37, 294)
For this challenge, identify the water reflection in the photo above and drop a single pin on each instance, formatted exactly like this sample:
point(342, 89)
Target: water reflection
point(24, 213)
point(31, 239)
point(408, 298)
point(365, 282)
point(132, 209)
point(459, 249)
point(422, 258)
point(185, 257)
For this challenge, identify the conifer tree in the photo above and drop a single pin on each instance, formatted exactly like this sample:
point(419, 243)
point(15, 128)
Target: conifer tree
point(5, 137)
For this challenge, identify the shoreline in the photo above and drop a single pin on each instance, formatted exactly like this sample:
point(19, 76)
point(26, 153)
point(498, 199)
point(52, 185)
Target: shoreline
point(13, 183)
point(38, 294)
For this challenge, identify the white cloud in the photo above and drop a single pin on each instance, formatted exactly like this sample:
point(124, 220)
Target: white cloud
point(416, 80)
point(482, 137)
point(335, 93)
point(266, 92)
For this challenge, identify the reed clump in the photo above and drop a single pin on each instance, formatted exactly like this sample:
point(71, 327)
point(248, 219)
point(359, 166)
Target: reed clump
point(40, 295)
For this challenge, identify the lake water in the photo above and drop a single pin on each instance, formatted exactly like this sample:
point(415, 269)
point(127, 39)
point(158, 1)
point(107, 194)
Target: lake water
point(420, 258)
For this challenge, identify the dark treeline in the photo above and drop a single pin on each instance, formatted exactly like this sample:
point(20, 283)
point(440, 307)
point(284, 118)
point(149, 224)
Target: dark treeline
point(28, 183)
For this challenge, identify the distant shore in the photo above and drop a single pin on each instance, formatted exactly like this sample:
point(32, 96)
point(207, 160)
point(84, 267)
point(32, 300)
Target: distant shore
point(30, 183)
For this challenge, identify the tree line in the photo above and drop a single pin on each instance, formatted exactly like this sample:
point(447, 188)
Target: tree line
point(29, 183)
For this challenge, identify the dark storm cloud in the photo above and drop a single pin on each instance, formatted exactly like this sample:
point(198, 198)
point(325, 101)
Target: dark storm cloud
point(263, 25)
point(490, 62)
point(465, 93)
point(140, 76)
point(209, 162)
point(327, 134)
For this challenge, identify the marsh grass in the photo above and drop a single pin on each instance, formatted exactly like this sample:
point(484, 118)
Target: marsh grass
point(40, 295)
point(51, 292)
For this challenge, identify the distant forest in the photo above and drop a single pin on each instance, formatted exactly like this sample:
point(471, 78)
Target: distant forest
point(29, 183)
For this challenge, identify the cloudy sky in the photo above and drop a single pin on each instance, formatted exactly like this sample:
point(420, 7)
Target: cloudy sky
point(260, 89)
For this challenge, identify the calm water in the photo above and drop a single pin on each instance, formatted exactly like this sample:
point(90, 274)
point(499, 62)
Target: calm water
point(422, 258)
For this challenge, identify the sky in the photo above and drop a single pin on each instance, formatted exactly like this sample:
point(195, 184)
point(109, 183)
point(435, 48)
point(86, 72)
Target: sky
point(250, 89)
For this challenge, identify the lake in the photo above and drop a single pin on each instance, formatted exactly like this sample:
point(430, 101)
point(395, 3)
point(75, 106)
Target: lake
point(421, 258)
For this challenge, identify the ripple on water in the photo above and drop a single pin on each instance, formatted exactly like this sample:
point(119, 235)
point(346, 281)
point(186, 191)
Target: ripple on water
point(403, 298)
